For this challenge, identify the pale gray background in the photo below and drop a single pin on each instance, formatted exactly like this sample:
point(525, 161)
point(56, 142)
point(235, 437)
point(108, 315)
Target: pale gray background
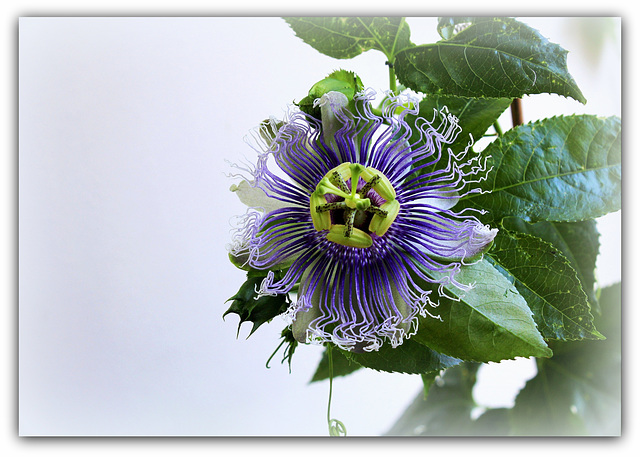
point(124, 213)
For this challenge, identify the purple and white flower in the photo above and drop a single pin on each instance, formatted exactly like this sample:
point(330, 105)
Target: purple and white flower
point(360, 216)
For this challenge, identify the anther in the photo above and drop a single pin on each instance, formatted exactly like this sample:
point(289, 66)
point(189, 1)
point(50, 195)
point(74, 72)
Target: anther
point(349, 217)
point(367, 187)
point(376, 210)
point(331, 206)
point(337, 179)
point(383, 187)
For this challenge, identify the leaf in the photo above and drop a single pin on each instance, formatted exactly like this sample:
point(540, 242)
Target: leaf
point(342, 366)
point(489, 323)
point(578, 390)
point(446, 410)
point(578, 242)
point(493, 57)
point(346, 37)
point(561, 169)
point(410, 357)
point(547, 282)
point(250, 308)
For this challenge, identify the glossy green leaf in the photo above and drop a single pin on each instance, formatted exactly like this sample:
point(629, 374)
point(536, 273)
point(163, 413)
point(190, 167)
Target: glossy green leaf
point(493, 57)
point(578, 390)
point(578, 242)
point(561, 169)
point(346, 37)
point(548, 283)
point(342, 366)
point(410, 357)
point(490, 322)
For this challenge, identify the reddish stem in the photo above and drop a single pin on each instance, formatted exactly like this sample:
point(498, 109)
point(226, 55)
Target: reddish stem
point(516, 112)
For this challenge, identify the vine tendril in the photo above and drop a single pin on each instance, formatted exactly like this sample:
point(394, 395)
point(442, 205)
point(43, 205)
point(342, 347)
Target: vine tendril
point(336, 428)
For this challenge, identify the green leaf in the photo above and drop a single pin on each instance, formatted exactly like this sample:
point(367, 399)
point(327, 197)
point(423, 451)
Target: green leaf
point(250, 308)
point(346, 37)
point(578, 390)
point(561, 169)
point(342, 366)
point(493, 57)
point(489, 323)
point(446, 411)
point(578, 242)
point(410, 357)
point(547, 282)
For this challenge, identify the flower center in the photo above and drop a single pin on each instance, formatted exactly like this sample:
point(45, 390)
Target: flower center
point(352, 212)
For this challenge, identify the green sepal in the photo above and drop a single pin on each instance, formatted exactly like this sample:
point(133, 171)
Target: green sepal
point(292, 344)
point(251, 308)
point(343, 81)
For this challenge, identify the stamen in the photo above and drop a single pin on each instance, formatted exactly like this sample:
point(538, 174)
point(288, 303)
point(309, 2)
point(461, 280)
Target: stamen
point(349, 217)
point(331, 206)
point(376, 210)
point(384, 187)
point(338, 181)
point(372, 182)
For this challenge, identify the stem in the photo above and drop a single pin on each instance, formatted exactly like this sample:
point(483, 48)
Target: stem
point(336, 428)
point(330, 384)
point(516, 112)
point(392, 78)
point(497, 128)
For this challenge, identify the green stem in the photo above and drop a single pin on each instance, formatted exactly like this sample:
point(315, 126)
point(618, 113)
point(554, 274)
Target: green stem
point(330, 384)
point(498, 129)
point(336, 428)
point(392, 79)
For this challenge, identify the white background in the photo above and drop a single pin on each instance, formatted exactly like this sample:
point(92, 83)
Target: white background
point(124, 212)
point(123, 220)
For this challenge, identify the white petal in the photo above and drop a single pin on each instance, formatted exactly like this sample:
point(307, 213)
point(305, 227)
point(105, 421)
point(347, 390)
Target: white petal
point(254, 197)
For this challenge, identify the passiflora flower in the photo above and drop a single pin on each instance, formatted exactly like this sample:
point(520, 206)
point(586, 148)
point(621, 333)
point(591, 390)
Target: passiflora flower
point(357, 210)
